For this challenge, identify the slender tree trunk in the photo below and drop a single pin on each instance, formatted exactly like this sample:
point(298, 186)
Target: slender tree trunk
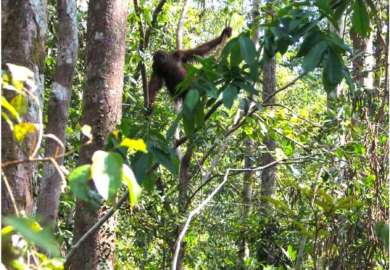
point(24, 27)
point(243, 249)
point(185, 159)
point(50, 191)
point(106, 29)
point(179, 30)
point(268, 175)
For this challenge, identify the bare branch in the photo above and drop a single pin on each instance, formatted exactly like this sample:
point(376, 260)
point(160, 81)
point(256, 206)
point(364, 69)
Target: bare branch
point(204, 203)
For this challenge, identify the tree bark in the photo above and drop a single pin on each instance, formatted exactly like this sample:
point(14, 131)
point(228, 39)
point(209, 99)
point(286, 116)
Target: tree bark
point(268, 175)
point(179, 30)
point(24, 27)
point(102, 101)
point(243, 249)
point(50, 191)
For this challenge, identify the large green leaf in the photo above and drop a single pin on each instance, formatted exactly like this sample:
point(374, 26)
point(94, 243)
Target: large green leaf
point(310, 40)
point(191, 99)
point(78, 181)
point(247, 48)
point(32, 231)
point(106, 172)
point(165, 159)
point(132, 185)
point(333, 70)
point(229, 94)
point(314, 57)
point(360, 18)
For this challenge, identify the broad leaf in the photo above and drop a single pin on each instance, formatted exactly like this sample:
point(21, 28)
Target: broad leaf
point(191, 99)
point(165, 159)
point(360, 18)
point(32, 231)
point(229, 94)
point(106, 172)
point(132, 185)
point(333, 70)
point(314, 57)
point(78, 181)
point(248, 50)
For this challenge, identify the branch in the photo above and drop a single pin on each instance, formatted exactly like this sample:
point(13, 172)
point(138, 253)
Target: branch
point(284, 87)
point(96, 226)
point(215, 191)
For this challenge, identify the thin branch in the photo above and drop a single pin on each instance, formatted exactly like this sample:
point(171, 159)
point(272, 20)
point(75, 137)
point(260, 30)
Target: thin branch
point(96, 226)
point(284, 87)
point(214, 192)
point(11, 194)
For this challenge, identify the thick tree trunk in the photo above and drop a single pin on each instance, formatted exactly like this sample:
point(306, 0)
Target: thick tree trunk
point(24, 26)
point(49, 196)
point(102, 111)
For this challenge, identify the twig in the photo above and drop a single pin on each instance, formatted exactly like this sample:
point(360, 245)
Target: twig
point(11, 195)
point(96, 226)
point(284, 87)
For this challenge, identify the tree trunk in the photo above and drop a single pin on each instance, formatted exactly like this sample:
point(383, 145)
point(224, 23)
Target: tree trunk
point(50, 191)
point(179, 30)
point(268, 175)
point(243, 249)
point(107, 22)
point(24, 27)
point(185, 159)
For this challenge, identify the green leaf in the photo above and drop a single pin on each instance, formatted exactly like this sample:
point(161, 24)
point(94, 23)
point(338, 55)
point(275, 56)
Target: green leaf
point(191, 99)
point(292, 253)
point(172, 129)
point(8, 106)
point(360, 18)
point(132, 185)
point(78, 181)
point(21, 130)
point(314, 57)
point(19, 102)
point(32, 231)
point(106, 172)
point(199, 115)
point(229, 94)
point(165, 159)
point(188, 121)
point(235, 55)
point(382, 231)
point(247, 48)
point(310, 40)
point(333, 70)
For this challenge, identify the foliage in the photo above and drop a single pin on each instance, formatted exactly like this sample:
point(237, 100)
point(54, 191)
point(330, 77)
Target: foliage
point(328, 210)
